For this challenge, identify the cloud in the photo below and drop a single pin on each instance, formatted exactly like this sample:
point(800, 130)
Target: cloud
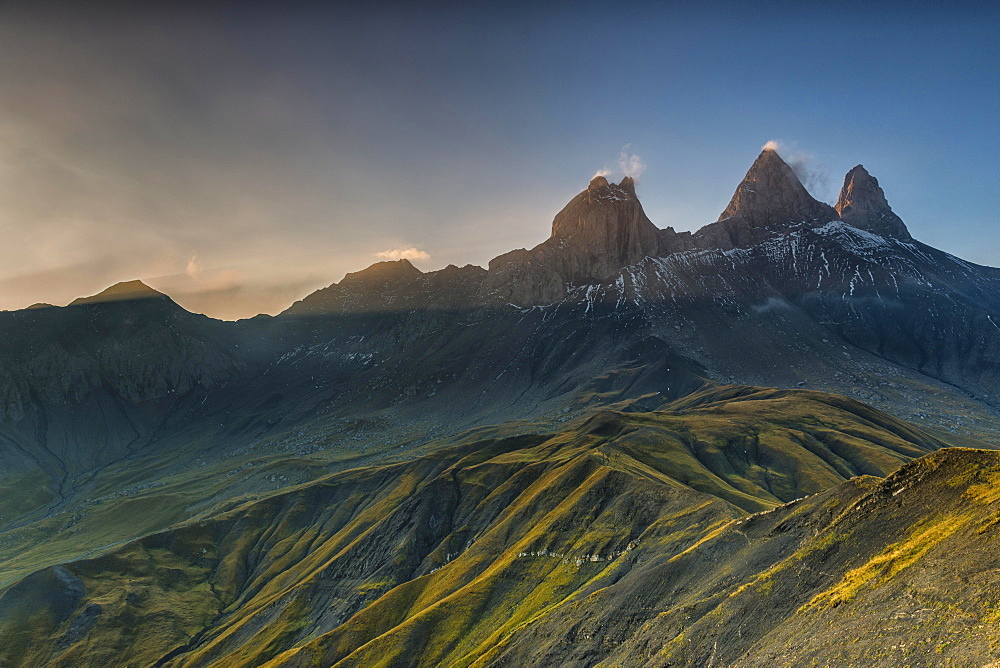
point(772, 304)
point(193, 269)
point(223, 279)
point(629, 163)
point(402, 254)
point(813, 175)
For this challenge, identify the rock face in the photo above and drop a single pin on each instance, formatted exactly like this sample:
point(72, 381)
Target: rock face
point(863, 205)
point(771, 194)
point(770, 198)
point(600, 231)
point(854, 271)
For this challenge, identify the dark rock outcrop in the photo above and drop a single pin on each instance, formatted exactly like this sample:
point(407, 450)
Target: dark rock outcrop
point(862, 204)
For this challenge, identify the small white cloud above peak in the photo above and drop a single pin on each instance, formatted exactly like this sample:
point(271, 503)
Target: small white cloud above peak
point(402, 254)
point(629, 163)
point(772, 145)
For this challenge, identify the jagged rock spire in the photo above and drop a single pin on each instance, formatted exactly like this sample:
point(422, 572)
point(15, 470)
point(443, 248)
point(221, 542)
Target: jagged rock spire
point(597, 183)
point(769, 199)
point(862, 204)
point(628, 185)
point(605, 228)
point(771, 194)
point(600, 231)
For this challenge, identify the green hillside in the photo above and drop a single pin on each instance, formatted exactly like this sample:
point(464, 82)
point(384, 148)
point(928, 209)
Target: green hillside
point(606, 540)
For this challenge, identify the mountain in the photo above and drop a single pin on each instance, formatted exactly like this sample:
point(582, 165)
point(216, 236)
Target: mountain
point(119, 292)
point(600, 231)
point(862, 204)
point(870, 572)
point(258, 481)
point(842, 305)
point(769, 199)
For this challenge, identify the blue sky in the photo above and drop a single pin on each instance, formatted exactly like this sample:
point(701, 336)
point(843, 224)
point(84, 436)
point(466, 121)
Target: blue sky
point(239, 157)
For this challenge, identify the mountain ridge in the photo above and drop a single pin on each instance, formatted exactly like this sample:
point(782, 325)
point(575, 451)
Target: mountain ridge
point(831, 284)
point(603, 248)
point(590, 420)
point(603, 230)
point(121, 291)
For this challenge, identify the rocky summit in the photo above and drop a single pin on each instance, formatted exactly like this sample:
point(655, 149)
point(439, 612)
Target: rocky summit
point(765, 442)
point(769, 198)
point(863, 205)
point(600, 231)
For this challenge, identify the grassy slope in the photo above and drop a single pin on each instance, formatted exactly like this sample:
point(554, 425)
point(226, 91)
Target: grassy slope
point(907, 574)
point(443, 558)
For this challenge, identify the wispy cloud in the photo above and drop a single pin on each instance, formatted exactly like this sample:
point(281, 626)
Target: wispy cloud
point(193, 269)
point(402, 254)
point(223, 279)
point(629, 163)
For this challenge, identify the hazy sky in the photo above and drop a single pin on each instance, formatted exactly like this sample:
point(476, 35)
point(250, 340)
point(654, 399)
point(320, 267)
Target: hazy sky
point(239, 157)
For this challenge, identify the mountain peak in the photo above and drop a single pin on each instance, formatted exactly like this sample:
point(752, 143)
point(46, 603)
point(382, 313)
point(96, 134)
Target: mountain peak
point(601, 190)
point(862, 204)
point(123, 291)
point(390, 271)
point(628, 185)
point(771, 193)
point(600, 231)
point(768, 200)
point(600, 213)
point(598, 182)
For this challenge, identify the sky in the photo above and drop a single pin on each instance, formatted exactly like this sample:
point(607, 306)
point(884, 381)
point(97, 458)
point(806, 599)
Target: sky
point(238, 156)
